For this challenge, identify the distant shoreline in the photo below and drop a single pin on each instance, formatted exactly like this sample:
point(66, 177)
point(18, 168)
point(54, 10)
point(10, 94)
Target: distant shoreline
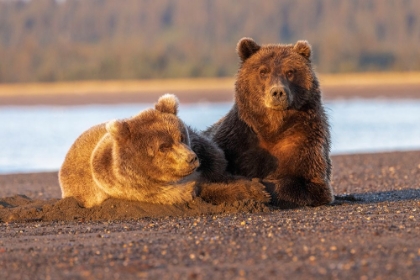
point(336, 86)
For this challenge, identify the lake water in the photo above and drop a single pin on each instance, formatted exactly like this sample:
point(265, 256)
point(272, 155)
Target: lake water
point(37, 138)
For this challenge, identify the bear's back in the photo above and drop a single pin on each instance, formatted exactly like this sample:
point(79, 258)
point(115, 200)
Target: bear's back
point(75, 175)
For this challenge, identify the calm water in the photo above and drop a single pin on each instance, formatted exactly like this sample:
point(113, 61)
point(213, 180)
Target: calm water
point(37, 138)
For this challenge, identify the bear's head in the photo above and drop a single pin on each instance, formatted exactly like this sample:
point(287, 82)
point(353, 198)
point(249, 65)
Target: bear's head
point(153, 145)
point(273, 79)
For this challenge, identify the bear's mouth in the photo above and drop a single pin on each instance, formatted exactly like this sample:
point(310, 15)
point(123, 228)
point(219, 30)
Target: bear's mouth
point(189, 171)
point(279, 107)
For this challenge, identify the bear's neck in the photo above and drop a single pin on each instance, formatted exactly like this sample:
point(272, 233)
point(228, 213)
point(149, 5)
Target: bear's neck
point(106, 168)
point(270, 125)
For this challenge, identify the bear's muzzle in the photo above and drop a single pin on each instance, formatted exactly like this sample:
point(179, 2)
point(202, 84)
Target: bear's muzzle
point(278, 97)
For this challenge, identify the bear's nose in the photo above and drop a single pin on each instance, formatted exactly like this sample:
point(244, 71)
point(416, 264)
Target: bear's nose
point(192, 158)
point(277, 92)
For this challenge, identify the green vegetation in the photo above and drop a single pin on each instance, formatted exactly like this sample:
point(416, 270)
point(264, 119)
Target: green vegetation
point(47, 40)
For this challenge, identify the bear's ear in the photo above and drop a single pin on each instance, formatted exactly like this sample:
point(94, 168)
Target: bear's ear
point(167, 103)
point(118, 129)
point(303, 48)
point(246, 47)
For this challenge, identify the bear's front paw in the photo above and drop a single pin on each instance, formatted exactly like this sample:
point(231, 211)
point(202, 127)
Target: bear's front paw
point(257, 191)
point(235, 190)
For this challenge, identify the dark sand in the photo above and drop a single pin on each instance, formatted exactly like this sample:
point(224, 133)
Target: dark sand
point(374, 234)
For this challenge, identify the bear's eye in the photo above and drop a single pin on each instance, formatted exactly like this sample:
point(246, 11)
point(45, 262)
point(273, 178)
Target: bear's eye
point(164, 147)
point(181, 138)
point(290, 74)
point(263, 72)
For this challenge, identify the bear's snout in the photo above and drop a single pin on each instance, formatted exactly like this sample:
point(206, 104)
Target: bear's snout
point(278, 98)
point(191, 158)
point(277, 92)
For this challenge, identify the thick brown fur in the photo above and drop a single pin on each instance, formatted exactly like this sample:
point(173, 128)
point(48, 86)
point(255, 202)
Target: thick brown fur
point(277, 130)
point(150, 158)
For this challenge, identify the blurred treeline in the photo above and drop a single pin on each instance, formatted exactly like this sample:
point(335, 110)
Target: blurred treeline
point(48, 40)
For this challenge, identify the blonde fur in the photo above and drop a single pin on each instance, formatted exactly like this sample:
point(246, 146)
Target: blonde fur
point(112, 160)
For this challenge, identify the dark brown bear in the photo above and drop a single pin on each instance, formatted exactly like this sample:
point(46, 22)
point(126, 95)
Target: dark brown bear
point(277, 129)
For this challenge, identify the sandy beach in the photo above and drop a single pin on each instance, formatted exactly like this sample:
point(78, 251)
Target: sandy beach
point(350, 86)
point(372, 231)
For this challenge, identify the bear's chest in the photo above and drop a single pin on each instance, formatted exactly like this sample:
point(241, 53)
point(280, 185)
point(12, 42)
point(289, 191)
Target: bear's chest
point(265, 159)
point(285, 147)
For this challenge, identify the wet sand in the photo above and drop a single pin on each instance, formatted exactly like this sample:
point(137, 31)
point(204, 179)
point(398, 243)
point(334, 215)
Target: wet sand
point(372, 231)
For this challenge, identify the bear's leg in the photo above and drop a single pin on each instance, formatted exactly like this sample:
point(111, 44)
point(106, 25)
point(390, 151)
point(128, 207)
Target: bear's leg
point(232, 190)
point(93, 198)
point(291, 192)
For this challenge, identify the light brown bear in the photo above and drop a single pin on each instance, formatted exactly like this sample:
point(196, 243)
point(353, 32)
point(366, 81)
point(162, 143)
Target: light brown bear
point(149, 158)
